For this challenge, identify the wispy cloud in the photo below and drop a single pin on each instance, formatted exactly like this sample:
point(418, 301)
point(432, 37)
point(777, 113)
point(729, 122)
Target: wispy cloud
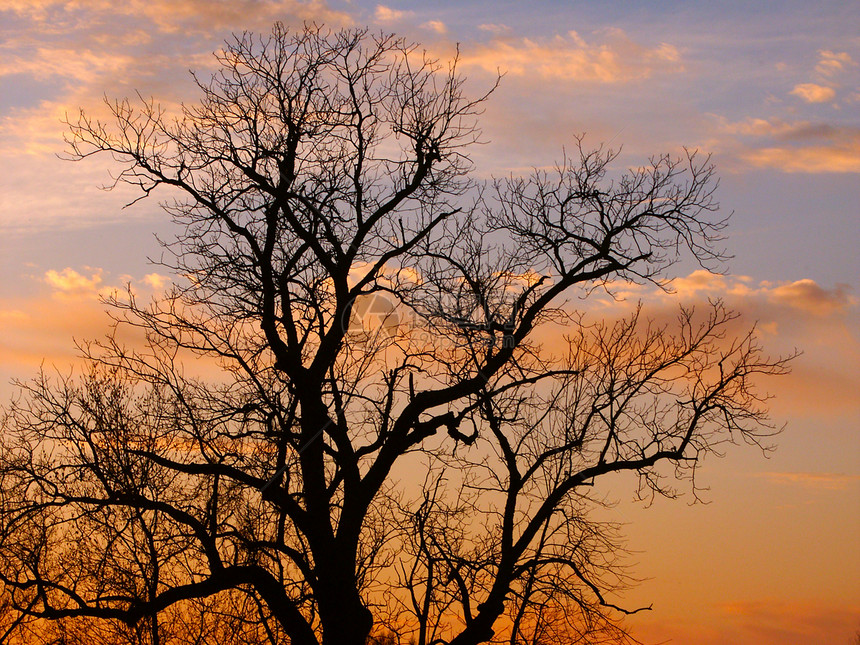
point(814, 159)
point(826, 481)
point(761, 622)
point(495, 28)
point(617, 59)
point(831, 63)
point(794, 146)
point(200, 16)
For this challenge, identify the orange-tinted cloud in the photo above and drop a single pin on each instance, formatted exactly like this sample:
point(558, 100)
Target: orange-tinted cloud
point(818, 159)
point(793, 146)
point(778, 623)
point(495, 28)
point(190, 15)
point(830, 63)
point(156, 281)
point(811, 297)
point(753, 622)
point(69, 280)
point(436, 25)
point(813, 93)
point(616, 60)
point(825, 481)
point(82, 65)
point(805, 295)
point(387, 14)
point(65, 307)
point(801, 314)
point(41, 330)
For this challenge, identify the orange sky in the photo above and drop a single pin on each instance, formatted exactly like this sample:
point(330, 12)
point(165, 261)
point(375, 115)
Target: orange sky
point(773, 92)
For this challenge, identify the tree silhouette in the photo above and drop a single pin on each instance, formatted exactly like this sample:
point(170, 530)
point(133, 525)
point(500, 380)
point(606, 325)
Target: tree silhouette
point(423, 474)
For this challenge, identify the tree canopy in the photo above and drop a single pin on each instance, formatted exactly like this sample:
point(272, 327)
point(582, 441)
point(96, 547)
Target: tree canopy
point(410, 418)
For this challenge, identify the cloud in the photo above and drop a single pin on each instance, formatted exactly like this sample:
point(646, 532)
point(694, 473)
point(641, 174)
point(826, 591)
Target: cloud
point(794, 146)
point(748, 622)
point(811, 297)
point(796, 131)
point(387, 14)
point(69, 280)
point(812, 93)
point(826, 481)
point(104, 37)
point(31, 8)
point(830, 63)
point(82, 65)
point(75, 52)
point(90, 282)
point(699, 281)
point(791, 131)
point(819, 320)
point(41, 330)
point(436, 25)
point(174, 16)
point(772, 622)
point(619, 59)
point(63, 306)
point(156, 281)
point(818, 159)
point(805, 295)
point(494, 28)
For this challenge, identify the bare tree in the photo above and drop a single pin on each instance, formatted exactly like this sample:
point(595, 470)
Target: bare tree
point(425, 479)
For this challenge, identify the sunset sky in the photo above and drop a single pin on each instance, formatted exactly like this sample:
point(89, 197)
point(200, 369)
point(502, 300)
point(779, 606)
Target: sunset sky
point(773, 92)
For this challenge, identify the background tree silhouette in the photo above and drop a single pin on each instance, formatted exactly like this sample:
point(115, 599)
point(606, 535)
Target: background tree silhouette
point(431, 483)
